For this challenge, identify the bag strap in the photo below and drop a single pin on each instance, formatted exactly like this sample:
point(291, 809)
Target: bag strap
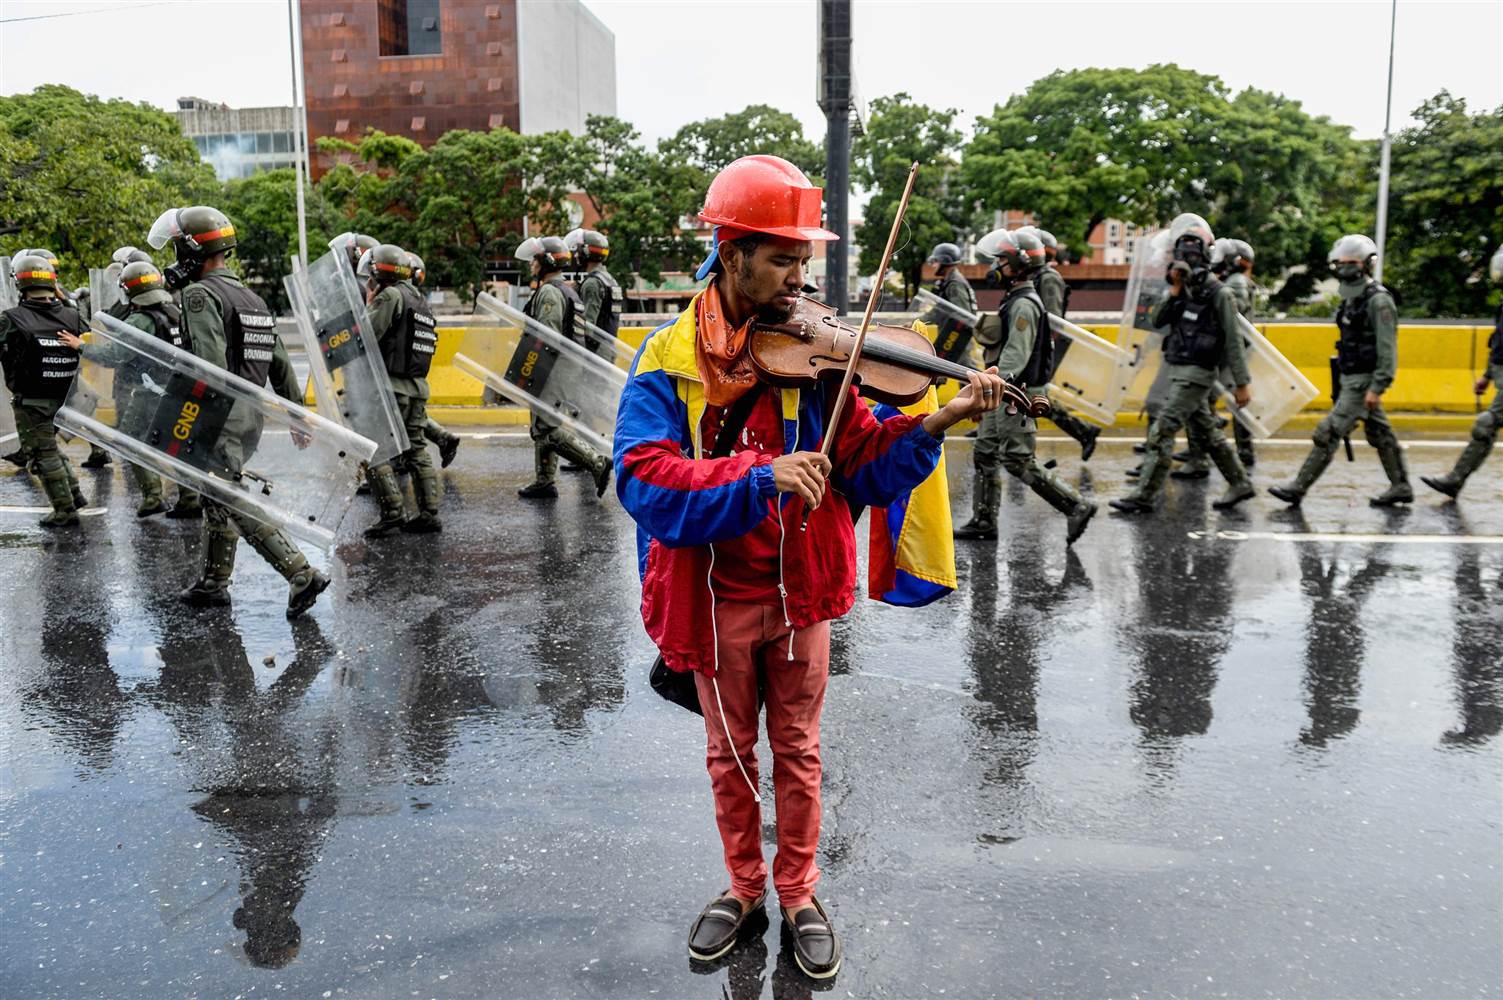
point(735, 420)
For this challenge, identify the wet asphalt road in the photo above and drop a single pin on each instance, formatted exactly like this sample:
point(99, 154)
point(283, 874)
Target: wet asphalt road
point(1165, 765)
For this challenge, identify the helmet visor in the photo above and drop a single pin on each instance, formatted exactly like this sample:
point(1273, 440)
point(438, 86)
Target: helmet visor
point(365, 269)
point(1495, 267)
point(529, 248)
point(164, 230)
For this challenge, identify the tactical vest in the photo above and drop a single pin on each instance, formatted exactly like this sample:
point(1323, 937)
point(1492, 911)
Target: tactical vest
point(1035, 373)
point(1357, 349)
point(1038, 284)
point(609, 319)
point(572, 307)
point(250, 331)
point(1195, 336)
point(1495, 342)
point(166, 321)
point(47, 364)
point(409, 354)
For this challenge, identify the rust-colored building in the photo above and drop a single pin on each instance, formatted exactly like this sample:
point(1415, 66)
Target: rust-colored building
point(419, 68)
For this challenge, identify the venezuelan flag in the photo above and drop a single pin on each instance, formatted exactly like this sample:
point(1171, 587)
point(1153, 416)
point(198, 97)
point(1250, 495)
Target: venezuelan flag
point(912, 548)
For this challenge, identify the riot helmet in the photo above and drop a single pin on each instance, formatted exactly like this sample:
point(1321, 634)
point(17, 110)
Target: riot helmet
point(1051, 245)
point(1192, 243)
point(1351, 257)
point(419, 272)
point(1243, 260)
point(1495, 267)
point(196, 233)
point(1013, 254)
point(144, 284)
point(41, 252)
point(354, 245)
point(33, 272)
point(129, 255)
point(587, 246)
point(549, 252)
point(944, 254)
point(1222, 253)
point(386, 264)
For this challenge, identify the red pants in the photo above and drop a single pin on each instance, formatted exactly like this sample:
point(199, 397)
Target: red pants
point(752, 638)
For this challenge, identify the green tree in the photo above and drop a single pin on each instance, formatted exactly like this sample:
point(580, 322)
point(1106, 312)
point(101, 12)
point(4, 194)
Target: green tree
point(1445, 209)
point(1082, 146)
point(900, 132)
point(263, 208)
point(83, 176)
point(640, 196)
point(711, 144)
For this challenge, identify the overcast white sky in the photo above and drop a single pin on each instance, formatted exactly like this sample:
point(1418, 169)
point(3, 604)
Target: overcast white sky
point(681, 60)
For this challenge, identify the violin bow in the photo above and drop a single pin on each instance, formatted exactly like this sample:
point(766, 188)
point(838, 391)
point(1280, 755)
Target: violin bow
point(866, 322)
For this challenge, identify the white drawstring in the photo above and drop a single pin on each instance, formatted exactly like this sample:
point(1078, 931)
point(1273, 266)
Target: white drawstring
point(715, 683)
point(782, 533)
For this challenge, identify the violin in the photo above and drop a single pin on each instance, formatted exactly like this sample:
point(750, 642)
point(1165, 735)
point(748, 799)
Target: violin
point(897, 363)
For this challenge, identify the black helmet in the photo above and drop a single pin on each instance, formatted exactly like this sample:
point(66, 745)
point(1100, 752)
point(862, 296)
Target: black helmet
point(419, 272)
point(354, 244)
point(587, 245)
point(32, 270)
point(143, 283)
point(944, 254)
point(549, 251)
point(387, 263)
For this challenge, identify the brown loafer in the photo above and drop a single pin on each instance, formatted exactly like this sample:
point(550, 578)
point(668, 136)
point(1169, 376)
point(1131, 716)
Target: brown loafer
point(719, 925)
point(816, 946)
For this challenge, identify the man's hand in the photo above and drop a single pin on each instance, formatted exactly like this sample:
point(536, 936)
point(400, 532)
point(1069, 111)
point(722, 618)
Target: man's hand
point(1176, 277)
point(71, 340)
point(1371, 399)
point(982, 394)
point(1242, 395)
point(804, 473)
point(1481, 385)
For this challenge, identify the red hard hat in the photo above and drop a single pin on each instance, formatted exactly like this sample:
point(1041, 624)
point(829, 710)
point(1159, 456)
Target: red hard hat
point(766, 194)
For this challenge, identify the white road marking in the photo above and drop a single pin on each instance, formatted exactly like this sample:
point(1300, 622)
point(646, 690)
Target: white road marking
point(86, 512)
point(1338, 536)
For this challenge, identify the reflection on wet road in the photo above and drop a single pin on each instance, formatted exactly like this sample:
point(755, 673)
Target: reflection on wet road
point(1187, 759)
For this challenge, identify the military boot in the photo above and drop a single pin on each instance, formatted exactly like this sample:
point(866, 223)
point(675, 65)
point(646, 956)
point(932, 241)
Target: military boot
point(98, 458)
point(1238, 486)
point(1077, 510)
point(545, 466)
point(1471, 457)
point(189, 506)
point(1196, 464)
point(17, 458)
point(212, 589)
point(1399, 491)
point(577, 450)
point(1154, 470)
point(389, 496)
point(1076, 429)
point(305, 586)
point(151, 492)
point(1314, 465)
point(62, 497)
point(985, 491)
point(79, 500)
point(425, 490)
point(447, 449)
point(304, 582)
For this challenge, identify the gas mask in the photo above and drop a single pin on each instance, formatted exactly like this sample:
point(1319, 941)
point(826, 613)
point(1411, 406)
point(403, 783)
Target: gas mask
point(1191, 252)
point(185, 270)
point(1348, 271)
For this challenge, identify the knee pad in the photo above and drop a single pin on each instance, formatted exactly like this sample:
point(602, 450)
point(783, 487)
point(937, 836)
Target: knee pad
point(1324, 436)
point(1377, 435)
point(1485, 428)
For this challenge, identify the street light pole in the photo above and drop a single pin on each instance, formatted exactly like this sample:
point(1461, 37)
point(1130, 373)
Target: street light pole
point(835, 101)
point(300, 136)
point(1383, 165)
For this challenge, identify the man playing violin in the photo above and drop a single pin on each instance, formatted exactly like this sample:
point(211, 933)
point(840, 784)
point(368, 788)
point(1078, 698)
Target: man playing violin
point(719, 469)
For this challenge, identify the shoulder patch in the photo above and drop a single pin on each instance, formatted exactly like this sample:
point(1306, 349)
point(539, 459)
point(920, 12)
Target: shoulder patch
point(195, 300)
point(1021, 324)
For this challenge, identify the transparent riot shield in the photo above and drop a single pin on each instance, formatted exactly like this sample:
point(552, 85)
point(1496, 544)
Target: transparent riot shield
point(1086, 377)
point(534, 366)
point(236, 443)
point(607, 346)
point(104, 289)
point(1279, 389)
point(344, 360)
point(958, 343)
point(10, 296)
point(10, 438)
point(1138, 341)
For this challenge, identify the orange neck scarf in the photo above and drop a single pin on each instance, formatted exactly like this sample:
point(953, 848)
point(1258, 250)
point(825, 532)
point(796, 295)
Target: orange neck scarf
point(720, 351)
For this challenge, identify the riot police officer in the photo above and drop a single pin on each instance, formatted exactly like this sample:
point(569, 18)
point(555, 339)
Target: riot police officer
point(1201, 314)
point(1231, 262)
point(229, 326)
point(354, 245)
point(446, 440)
point(1367, 353)
point(600, 294)
point(1023, 354)
point(1489, 421)
point(405, 328)
point(1054, 292)
point(954, 336)
point(554, 304)
point(149, 308)
point(39, 370)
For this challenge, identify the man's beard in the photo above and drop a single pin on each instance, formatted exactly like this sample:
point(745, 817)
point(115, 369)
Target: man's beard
point(768, 312)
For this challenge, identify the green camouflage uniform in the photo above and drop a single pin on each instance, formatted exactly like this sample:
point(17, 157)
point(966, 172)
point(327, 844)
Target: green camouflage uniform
point(1052, 290)
point(549, 438)
point(412, 403)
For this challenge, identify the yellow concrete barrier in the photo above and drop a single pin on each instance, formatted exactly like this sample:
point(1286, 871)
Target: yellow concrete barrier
point(1437, 364)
